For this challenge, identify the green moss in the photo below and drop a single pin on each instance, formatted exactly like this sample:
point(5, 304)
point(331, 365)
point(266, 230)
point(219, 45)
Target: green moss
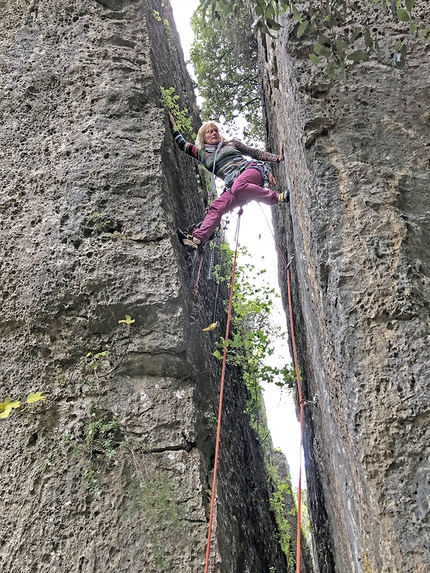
point(154, 499)
point(169, 100)
point(278, 503)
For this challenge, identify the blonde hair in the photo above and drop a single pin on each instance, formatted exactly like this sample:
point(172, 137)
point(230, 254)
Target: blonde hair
point(202, 131)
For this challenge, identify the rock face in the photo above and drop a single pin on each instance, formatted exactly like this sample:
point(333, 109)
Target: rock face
point(112, 471)
point(359, 227)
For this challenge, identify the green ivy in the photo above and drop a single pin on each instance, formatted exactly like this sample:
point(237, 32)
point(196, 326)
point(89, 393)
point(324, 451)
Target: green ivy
point(154, 498)
point(278, 502)
point(169, 100)
point(250, 346)
point(253, 333)
point(101, 435)
point(340, 30)
point(225, 62)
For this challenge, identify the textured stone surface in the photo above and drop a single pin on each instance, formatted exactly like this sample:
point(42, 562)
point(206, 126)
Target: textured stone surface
point(358, 225)
point(92, 189)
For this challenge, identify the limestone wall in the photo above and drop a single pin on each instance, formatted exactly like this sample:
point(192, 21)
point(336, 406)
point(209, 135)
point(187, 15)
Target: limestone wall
point(358, 226)
point(112, 471)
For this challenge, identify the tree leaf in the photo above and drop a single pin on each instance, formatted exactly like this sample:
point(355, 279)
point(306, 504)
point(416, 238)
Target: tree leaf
point(7, 406)
point(358, 56)
point(302, 28)
point(402, 15)
point(368, 38)
point(399, 61)
point(323, 40)
point(100, 354)
point(409, 4)
point(296, 14)
point(355, 34)
point(128, 320)
point(270, 11)
point(273, 25)
point(314, 58)
point(317, 48)
point(330, 70)
point(35, 397)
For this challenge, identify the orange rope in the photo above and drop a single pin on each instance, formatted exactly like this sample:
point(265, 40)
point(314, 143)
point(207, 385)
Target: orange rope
point(299, 392)
point(224, 363)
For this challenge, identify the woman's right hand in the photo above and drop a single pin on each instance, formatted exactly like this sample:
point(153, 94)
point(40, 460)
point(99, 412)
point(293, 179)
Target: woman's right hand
point(172, 120)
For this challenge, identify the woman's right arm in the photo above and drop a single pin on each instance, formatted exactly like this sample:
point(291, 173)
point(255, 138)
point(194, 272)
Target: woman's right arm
point(180, 141)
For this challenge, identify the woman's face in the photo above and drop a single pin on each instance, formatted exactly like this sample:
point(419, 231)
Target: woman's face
point(211, 135)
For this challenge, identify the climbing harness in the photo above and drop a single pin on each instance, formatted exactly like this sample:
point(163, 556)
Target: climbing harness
point(269, 180)
point(223, 370)
point(264, 168)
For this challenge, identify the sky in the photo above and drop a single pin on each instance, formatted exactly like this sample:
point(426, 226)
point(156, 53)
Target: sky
point(257, 236)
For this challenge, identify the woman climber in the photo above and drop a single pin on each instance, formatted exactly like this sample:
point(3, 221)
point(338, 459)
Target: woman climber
point(243, 178)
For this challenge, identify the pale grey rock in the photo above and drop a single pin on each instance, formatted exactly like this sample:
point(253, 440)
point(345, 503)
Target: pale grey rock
point(92, 190)
point(358, 226)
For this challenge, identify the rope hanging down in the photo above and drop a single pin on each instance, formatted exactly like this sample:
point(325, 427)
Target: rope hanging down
point(224, 363)
point(299, 390)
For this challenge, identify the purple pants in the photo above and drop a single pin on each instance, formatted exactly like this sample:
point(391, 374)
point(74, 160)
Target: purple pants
point(247, 187)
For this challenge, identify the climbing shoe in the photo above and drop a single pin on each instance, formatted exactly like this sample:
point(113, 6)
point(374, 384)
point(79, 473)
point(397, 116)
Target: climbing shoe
point(187, 241)
point(284, 197)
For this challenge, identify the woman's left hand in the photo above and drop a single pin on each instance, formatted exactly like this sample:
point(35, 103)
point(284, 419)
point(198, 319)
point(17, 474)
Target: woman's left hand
point(281, 155)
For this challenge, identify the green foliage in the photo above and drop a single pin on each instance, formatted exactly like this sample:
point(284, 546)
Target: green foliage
point(7, 405)
point(154, 498)
point(225, 63)
point(250, 346)
point(167, 28)
point(305, 521)
point(96, 365)
point(278, 503)
point(90, 476)
point(342, 31)
point(128, 320)
point(97, 445)
point(102, 224)
point(169, 100)
point(102, 435)
point(253, 331)
point(95, 359)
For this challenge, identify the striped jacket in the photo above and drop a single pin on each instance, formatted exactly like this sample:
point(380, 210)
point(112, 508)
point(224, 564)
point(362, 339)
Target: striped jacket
point(230, 157)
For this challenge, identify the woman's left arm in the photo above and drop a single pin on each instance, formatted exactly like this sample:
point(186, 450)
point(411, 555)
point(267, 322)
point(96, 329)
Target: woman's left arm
point(258, 153)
